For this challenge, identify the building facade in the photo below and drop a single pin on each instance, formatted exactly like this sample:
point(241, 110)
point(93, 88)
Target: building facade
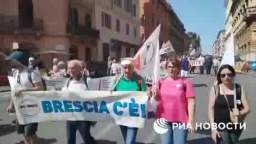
point(59, 28)
point(118, 22)
point(241, 22)
point(218, 46)
point(155, 12)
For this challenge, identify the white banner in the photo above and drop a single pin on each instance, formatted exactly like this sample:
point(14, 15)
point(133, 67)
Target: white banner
point(55, 83)
point(103, 83)
point(147, 58)
point(126, 108)
point(196, 62)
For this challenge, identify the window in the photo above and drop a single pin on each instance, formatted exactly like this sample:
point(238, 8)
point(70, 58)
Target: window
point(127, 29)
point(117, 25)
point(128, 5)
point(74, 52)
point(88, 54)
point(25, 13)
point(105, 51)
point(88, 22)
point(135, 32)
point(106, 20)
point(73, 19)
point(134, 10)
point(118, 3)
point(153, 20)
point(128, 51)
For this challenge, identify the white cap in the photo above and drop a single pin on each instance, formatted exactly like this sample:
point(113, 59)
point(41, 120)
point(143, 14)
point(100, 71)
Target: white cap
point(160, 126)
point(15, 45)
point(127, 61)
point(31, 59)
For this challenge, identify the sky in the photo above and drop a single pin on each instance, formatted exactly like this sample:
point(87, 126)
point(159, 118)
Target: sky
point(205, 17)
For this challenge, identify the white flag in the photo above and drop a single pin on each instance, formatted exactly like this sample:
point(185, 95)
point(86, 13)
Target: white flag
point(147, 58)
point(166, 48)
point(229, 55)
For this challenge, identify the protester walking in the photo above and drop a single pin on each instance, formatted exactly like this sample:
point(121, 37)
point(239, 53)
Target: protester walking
point(176, 103)
point(53, 72)
point(129, 81)
point(228, 105)
point(184, 66)
point(109, 63)
point(208, 64)
point(115, 68)
point(77, 82)
point(24, 80)
point(201, 59)
point(216, 64)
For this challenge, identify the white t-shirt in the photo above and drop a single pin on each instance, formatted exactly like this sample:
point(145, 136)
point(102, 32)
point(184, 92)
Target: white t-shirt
point(216, 62)
point(115, 68)
point(201, 59)
point(75, 85)
point(22, 78)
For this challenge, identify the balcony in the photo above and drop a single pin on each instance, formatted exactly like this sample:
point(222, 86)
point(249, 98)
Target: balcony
point(12, 25)
point(82, 31)
point(250, 14)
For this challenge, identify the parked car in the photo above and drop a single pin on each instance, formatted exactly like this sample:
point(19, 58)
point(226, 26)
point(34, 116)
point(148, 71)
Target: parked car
point(4, 80)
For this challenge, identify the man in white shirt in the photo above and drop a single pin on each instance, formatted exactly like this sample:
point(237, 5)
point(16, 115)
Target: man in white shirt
point(115, 68)
point(216, 64)
point(25, 80)
point(74, 83)
point(202, 60)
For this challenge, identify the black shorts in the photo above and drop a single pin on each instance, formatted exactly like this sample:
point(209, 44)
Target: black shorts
point(28, 129)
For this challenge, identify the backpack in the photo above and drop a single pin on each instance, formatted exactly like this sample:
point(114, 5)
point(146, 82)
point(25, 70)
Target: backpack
point(42, 80)
point(238, 93)
point(84, 77)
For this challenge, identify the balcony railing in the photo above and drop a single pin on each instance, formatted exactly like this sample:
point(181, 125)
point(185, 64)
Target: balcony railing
point(12, 24)
point(82, 31)
point(251, 11)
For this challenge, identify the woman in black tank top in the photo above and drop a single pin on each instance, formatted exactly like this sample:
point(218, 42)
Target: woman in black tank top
point(226, 96)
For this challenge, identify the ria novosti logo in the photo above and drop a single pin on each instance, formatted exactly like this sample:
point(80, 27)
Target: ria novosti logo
point(29, 107)
point(161, 126)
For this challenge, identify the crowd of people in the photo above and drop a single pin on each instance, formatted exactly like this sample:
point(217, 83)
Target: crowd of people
point(174, 94)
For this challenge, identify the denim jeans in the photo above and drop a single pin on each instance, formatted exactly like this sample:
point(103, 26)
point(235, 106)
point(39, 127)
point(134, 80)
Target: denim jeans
point(174, 135)
point(129, 134)
point(83, 127)
point(229, 137)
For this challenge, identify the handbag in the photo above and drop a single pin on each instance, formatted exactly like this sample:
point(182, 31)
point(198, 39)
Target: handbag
point(234, 119)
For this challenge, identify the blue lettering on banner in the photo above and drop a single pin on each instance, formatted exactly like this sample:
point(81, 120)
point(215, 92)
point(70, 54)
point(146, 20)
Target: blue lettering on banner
point(133, 109)
point(95, 105)
point(86, 106)
point(103, 107)
point(77, 106)
point(143, 110)
point(47, 106)
point(116, 111)
point(68, 106)
point(57, 105)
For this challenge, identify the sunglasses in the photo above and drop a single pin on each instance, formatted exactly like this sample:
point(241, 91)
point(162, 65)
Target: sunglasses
point(226, 74)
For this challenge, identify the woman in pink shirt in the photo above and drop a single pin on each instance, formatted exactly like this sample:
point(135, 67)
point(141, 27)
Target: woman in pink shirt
point(176, 104)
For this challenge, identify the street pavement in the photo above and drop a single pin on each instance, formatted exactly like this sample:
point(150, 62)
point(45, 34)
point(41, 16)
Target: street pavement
point(106, 132)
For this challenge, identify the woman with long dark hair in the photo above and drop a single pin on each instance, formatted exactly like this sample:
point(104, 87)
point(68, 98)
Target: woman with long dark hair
point(228, 105)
